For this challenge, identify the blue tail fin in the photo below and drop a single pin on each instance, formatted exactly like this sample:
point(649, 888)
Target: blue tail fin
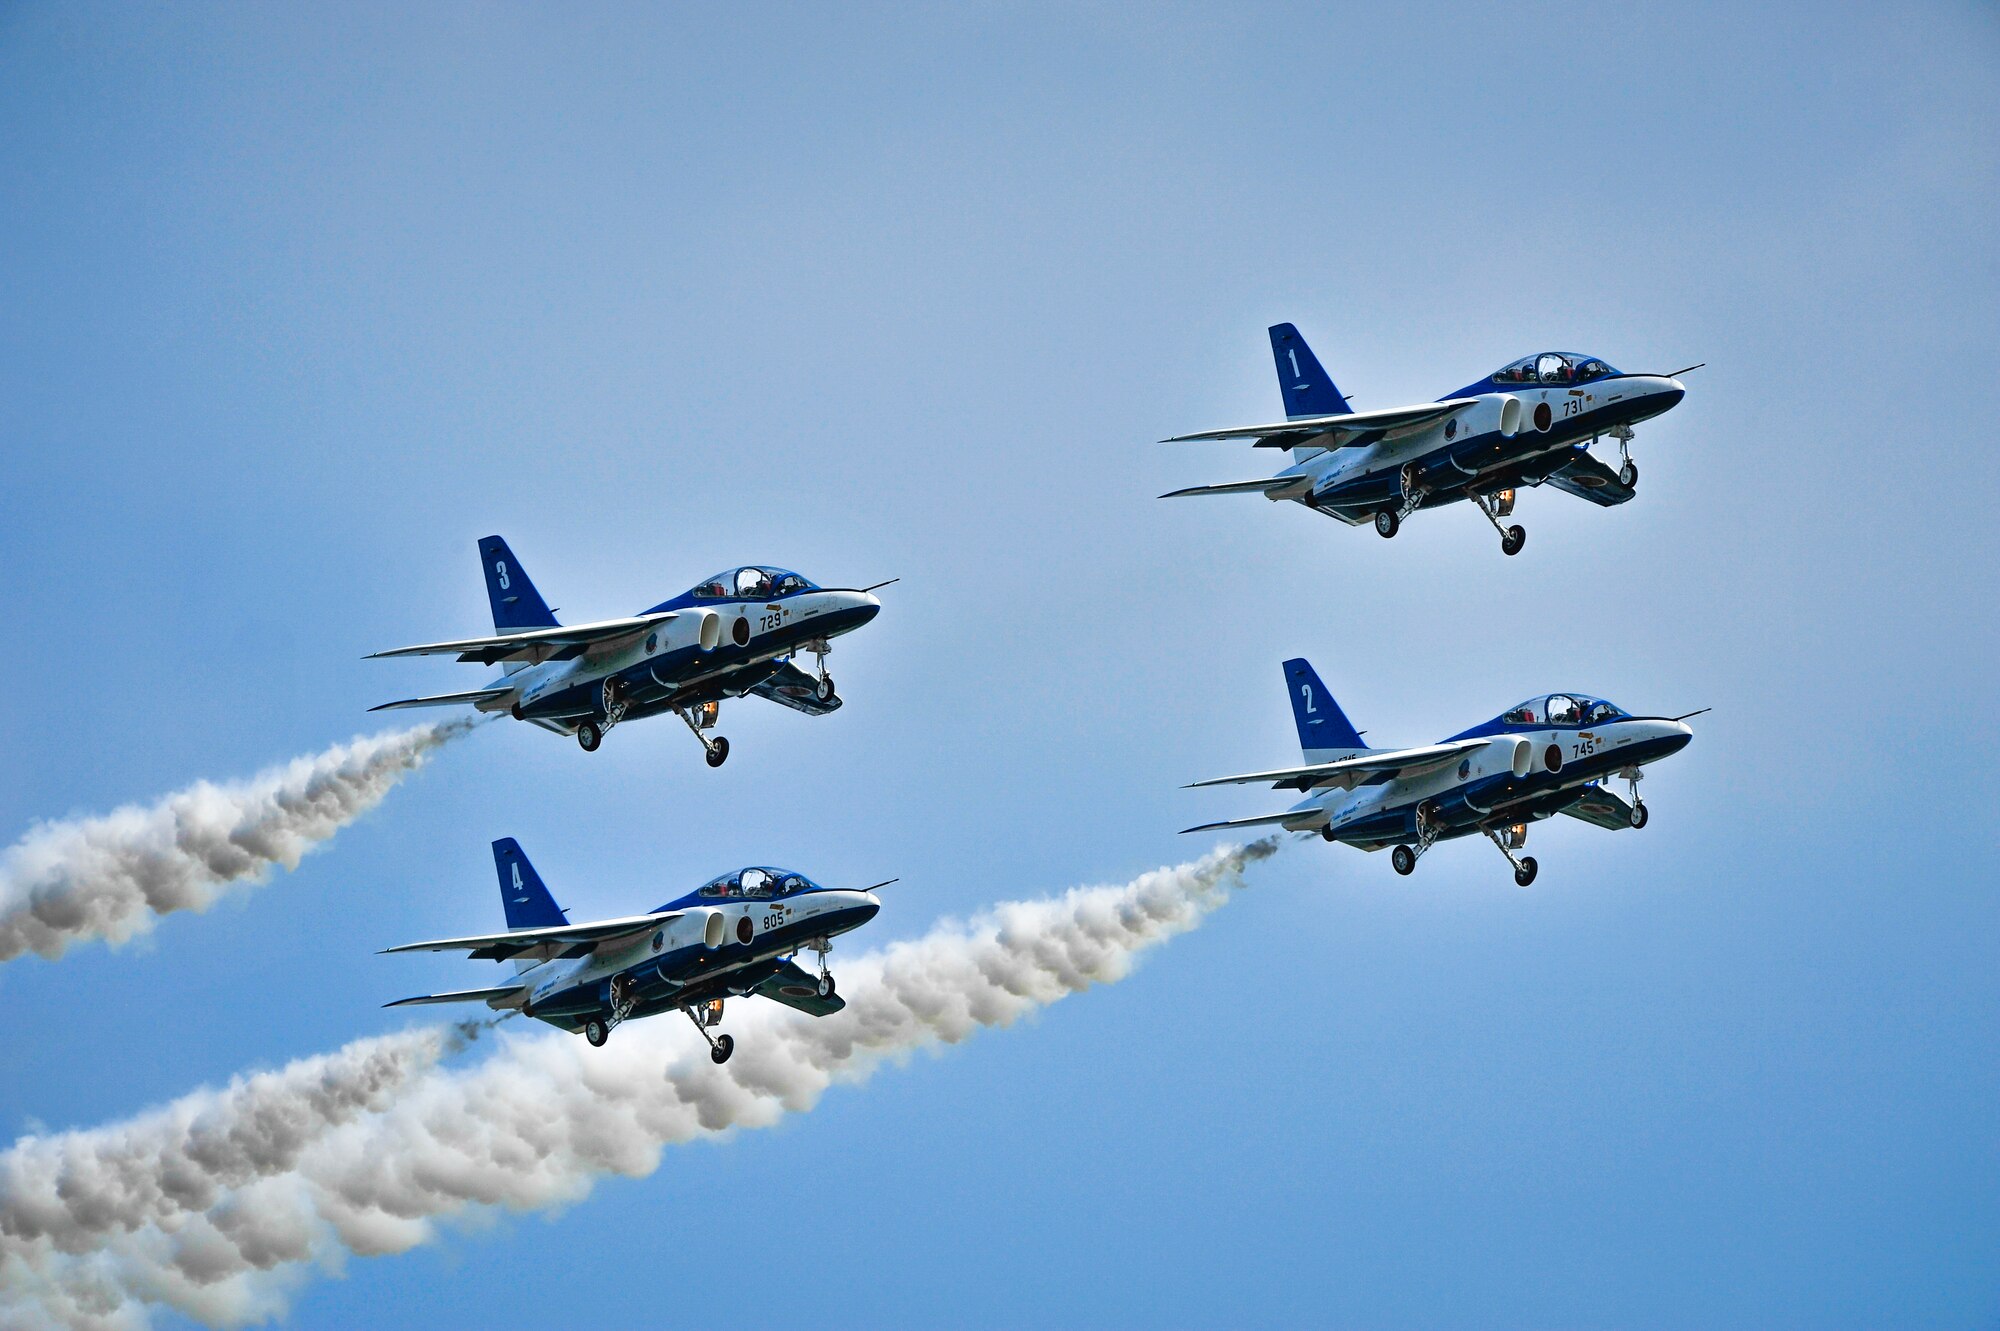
point(516, 603)
point(1323, 727)
point(1308, 389)
point(529, 905)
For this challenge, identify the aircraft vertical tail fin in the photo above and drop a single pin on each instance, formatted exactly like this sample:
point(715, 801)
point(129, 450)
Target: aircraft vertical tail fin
point(1308, 389)
point(516, 603)
point(1325, 733)
point(522, 892)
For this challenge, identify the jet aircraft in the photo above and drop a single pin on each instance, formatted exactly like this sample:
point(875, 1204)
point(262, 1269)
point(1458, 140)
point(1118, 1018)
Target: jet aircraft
point(732, 937)
point(1531, 422)
point(731, 635)
point(1549, 755)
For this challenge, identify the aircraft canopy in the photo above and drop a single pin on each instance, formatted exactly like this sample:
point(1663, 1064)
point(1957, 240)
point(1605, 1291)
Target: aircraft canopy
point(758, 882)
point(1562, 709)
point(752, 583)
point(1553, 367)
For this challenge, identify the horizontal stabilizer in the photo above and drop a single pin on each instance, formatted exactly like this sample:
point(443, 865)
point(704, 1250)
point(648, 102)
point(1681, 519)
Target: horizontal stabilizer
point(567, 940)
point(1354, 427)
point(535, 645)
point(1394, 762)
point(1296, 820)
point(486, 700)
point(1277, 487)
point(493, 996)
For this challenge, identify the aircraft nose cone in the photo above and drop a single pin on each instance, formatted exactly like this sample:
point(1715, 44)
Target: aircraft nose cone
point(1670, 396)
point(1678, 736)
point(870, 906)
point(866, 607)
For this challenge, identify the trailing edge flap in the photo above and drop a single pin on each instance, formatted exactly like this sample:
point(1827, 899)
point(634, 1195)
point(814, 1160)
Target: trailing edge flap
point(1587, 478)
point(794, 987)
point(1594, 804)
point(1277, 487)
point(566, 940)
point(491, 996)
point(479, 698)
point(1393, 762)
point(795, 689)
point(1336, 431)
point(536, 645)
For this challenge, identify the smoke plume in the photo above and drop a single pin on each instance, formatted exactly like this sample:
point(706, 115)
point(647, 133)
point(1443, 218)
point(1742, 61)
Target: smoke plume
point(111, 877)
point(218, 1204)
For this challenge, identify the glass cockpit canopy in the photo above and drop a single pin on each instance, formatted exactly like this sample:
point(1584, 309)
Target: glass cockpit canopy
point(1562, 709)
point(759, 882)
point(751, 583)
point(1553, 367)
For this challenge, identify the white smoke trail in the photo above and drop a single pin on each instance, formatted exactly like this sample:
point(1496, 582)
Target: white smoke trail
point(368, 1155)
point(112, 877)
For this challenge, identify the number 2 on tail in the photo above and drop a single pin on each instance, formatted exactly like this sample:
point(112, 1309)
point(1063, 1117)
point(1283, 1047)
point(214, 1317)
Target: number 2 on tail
point(1306, 692)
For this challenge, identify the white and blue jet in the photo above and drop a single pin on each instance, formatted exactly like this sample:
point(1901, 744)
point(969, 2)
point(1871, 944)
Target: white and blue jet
point(730, 938)
point(733, 634)
point(1532, 422)
point(1549, 755)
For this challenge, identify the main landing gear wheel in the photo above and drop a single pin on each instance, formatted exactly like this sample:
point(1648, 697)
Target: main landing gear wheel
point(589, 736)
point(1386, 523)
point(1403, 860)
point(1524, 872)
point(823, 688)
point(1639, 816)
point(1513, 539)
point(597, 1032)
point(1628, 475)
point(723, 1047)
point(718, 752)
point(826, 986)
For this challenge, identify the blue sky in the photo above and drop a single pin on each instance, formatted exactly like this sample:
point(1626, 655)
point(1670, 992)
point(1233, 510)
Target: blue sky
point(297, 303)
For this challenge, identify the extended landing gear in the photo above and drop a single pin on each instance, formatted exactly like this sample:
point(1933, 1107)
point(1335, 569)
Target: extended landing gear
point(1524, 866)
point(720, 1047)
point(615, 704)
point(1403, 859)
point(1387, 523)
point(624, 997)
point(823, 685)
point(589, 736)
point(699, 719)
point(597, 1031)
point(1628, 470)
point(1638, 816)
point(1511, 538)
point(823, 946)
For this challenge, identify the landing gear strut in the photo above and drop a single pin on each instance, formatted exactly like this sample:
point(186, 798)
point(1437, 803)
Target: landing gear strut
point(624, 997)
point(720, 1047)
point(822, 946)
point(1638, 815)
point(1403, 859)
point(1628, 471)
point(1524, 866)
point(717, 749)
point(1511, 538)
point(823, 686)
point(591, 734)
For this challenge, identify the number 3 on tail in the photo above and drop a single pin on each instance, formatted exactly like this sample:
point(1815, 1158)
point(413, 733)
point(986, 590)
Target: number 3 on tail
point(1306, 692)
point(500, 571)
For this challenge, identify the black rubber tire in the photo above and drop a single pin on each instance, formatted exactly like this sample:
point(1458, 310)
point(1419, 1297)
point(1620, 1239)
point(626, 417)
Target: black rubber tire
point(1628, 475)
point(589, 736)
point(596, 1032)
point(823, 688)
point(1526, 873)
point(1403, 860)
point(718, 752)
point(1387, 523)
point(1513, 539)
point(826, 986)
point(723, 1048)
point(1639, 816)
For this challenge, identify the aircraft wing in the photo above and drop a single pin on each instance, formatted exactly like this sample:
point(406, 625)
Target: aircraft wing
point(1587, 478)
point(1277, 487)
point(477, 697)
point(794, 987)
point(794, 688)
point(1594, 804)
point(491, 997)
point(1393, 762)
point(1336, 431)
point(561, 940)
point(1298, 819)
point(536, 645)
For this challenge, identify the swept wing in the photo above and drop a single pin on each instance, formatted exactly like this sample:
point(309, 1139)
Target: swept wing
point(562, 940)
point(493, 997)
point(1392, 762)
point(1337, 431)
point(1594, 804)
point(794, 987)
point(537, 645)
point(479, 698)
point(795, 689)
point(1587, 478)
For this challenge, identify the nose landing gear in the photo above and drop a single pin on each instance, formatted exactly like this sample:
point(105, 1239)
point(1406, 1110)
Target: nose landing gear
point(1638, 815)
point(823, 686)
point(822, 946)
point(1628, 471)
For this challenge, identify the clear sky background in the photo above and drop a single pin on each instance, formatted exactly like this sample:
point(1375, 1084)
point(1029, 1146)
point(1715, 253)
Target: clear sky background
point(297, 302)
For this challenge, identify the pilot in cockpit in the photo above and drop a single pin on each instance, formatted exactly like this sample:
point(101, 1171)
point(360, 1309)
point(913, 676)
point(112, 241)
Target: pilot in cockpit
point(752, 582)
